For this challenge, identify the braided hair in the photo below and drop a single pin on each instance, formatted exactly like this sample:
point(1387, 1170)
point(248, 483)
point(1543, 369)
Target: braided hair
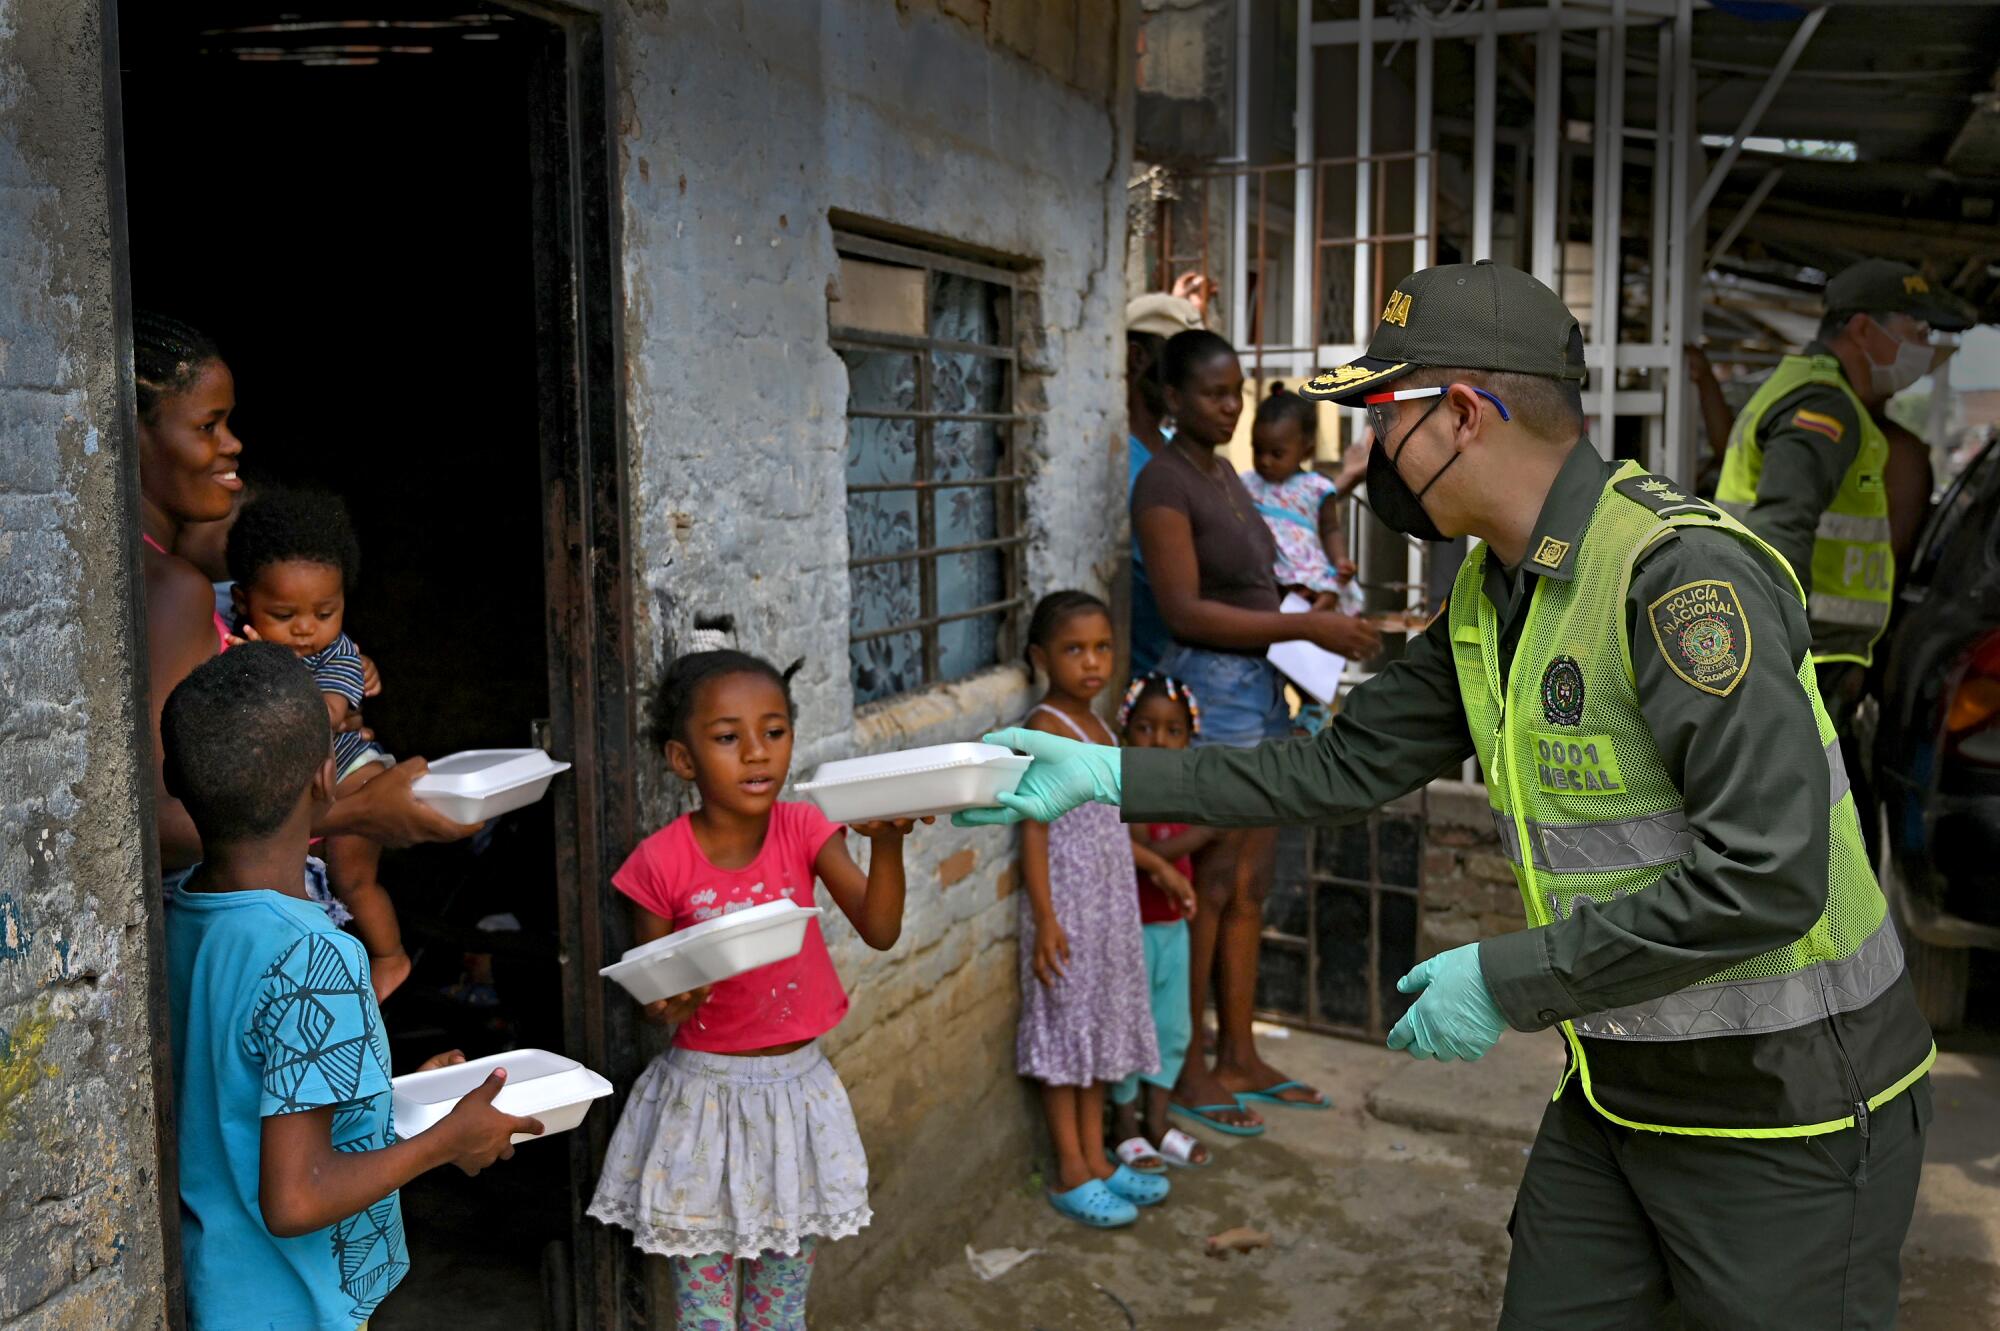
point(167, 357)
point(687, 674)
point(1160, 686)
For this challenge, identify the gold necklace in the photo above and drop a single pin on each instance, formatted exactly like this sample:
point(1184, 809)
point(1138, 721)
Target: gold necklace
point(1214, 472)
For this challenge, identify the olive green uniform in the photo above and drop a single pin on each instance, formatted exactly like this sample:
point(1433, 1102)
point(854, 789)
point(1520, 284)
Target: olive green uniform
point(1810, 438)
point(1609, 1217)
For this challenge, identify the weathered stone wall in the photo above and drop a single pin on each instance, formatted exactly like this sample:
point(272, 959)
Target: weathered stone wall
point(990, 125)
point(1186, 97)
point(80, 1243)
point(1469, 888)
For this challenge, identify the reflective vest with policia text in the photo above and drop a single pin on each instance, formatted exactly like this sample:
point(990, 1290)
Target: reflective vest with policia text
point(1805, 1039)
point(1853, 564)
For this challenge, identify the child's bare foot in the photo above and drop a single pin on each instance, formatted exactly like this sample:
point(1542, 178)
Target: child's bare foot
point(1125, 1129)
point(1196, 1153)
point(1137, 1153)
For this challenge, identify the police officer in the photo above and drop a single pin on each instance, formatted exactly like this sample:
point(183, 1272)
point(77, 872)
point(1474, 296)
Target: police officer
point(1806, 459)
point(1740, 1125)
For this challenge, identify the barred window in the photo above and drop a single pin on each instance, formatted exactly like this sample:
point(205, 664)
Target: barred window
point(934, 486)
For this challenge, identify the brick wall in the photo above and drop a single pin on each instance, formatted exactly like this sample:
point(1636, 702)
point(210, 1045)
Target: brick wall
point(1469, 889)
point(995, 126)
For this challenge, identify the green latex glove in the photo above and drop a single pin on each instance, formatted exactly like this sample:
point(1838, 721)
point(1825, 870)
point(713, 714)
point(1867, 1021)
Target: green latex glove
point(1454, 1016)
point(1066, 774)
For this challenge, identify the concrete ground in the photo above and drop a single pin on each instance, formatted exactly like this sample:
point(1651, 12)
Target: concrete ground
point(1389, 1213)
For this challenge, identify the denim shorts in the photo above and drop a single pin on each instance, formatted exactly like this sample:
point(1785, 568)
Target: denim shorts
point(1242, 697)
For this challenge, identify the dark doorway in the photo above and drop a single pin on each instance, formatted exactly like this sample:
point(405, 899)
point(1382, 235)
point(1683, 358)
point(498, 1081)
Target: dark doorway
point(392, 219)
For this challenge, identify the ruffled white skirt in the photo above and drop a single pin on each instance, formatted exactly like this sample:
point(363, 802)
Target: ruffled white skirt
point(718, 1154)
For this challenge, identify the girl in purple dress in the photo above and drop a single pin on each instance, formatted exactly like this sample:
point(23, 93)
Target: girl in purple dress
point(1085, 1015)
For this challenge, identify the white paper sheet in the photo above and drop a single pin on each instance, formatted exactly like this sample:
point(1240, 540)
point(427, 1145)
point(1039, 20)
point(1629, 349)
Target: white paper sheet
point(1314, 669)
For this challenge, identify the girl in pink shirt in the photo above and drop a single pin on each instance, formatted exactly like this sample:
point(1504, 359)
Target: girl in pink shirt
point(737, 1145)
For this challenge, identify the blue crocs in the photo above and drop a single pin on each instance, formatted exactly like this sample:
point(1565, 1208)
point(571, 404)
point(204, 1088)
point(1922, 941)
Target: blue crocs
point(1137, 1188)
point(1096, 1205)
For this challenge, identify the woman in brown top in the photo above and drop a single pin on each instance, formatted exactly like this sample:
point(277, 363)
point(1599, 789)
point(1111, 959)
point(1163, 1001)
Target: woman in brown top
point(1210, 558)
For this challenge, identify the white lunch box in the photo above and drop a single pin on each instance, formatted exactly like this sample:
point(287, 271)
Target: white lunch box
point(542, 1085)
point(479, 784)
point(712, 951)
point(916, 783)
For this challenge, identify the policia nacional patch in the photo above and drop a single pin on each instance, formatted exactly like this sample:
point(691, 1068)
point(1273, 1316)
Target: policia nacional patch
point(1703, 635)
point(1562, 692)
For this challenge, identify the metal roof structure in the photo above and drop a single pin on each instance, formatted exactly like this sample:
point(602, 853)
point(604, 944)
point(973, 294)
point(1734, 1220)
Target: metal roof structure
point(1911, 89)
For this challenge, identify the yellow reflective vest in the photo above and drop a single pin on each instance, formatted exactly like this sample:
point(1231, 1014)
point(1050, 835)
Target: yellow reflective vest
point(1804, 1039)
point(1853, 564)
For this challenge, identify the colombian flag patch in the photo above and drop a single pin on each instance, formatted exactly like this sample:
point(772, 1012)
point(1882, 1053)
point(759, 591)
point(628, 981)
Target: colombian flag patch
point(1819, 423)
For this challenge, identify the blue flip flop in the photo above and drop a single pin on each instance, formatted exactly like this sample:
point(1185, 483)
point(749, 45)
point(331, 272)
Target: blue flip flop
point(1094, 1204)
point(1202, 1114)
point(1139, 1189)
point(1273, 1095)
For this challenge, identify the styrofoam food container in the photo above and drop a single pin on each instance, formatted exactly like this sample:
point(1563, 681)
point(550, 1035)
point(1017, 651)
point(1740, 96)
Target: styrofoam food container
point(915, 783)
point(542, 1085)
point(478, 784)
point(712, 951)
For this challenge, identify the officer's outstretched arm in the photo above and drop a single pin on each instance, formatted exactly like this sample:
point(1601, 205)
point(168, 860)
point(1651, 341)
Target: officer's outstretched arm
point(1740, 740)
point(1395, 733)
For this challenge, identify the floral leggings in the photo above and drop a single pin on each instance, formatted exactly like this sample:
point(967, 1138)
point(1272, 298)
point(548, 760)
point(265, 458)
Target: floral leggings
point(773, 1299)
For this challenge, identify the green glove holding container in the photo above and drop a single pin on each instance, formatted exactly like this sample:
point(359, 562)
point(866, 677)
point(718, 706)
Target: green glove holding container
point(1066, 774)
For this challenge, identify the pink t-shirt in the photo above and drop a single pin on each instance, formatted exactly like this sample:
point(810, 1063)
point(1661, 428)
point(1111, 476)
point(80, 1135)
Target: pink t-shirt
point(799, 998)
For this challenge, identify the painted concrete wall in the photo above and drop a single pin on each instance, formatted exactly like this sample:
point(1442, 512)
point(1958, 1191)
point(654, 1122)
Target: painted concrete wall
point(79, 1205)
point(989, 125)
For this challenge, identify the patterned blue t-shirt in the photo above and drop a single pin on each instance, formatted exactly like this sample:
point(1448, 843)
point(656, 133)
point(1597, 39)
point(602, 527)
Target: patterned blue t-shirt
point(273, 1014)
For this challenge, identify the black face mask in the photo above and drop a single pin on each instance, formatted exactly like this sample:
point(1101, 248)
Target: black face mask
point(1400, 508)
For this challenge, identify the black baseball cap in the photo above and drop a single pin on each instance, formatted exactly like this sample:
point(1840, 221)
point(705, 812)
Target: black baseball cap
point(1467, 316)
point(1883, 286)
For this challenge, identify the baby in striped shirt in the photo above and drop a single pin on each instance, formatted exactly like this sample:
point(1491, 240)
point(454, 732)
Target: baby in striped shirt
point(293, 556)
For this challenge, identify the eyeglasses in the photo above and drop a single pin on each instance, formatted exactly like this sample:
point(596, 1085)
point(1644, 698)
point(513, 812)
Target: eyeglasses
point(1907, 328)
point(1381, 407)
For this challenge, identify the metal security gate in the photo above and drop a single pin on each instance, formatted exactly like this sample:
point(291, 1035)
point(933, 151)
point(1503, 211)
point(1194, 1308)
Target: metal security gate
point(1342, 922)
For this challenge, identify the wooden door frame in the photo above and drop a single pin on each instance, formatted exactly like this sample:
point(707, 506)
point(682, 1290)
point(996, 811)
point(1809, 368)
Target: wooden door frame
point(586, 550)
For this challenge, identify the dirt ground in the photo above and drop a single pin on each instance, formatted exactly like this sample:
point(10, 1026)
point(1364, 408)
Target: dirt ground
point(1394, 1225)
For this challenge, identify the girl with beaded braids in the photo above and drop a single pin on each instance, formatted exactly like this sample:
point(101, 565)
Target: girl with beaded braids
point(1160, 712)
point(185, 394)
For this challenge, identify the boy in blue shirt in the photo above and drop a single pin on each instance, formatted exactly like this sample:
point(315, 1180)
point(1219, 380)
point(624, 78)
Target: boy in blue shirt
point(289, 1161)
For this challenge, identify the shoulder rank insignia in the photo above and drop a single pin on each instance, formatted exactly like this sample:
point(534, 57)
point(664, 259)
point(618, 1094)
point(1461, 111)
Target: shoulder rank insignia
point(1551, 553)
point(1820, 423)
point(1663, 497)
point(1703, 635)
